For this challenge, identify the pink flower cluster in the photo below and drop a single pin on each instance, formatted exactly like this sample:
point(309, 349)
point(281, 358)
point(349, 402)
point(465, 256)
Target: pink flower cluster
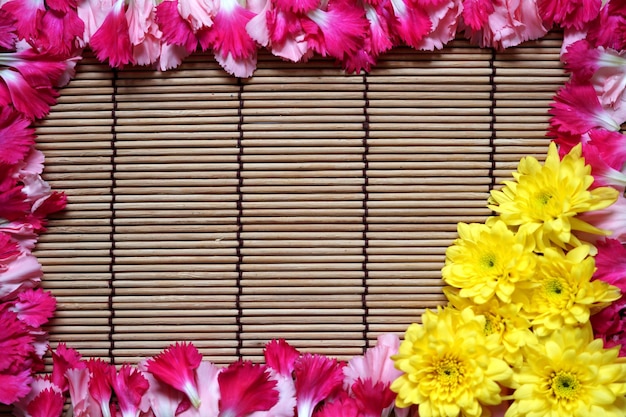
point(354, 32)
point(179, 382)
point(25, 202)
point(589, 110)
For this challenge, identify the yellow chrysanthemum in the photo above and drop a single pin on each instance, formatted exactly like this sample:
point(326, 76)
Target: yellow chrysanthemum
point(450, 366)
point(570, 374)
point(565, 294)
point(488, 260)
point(502, 319)
point(544, 200)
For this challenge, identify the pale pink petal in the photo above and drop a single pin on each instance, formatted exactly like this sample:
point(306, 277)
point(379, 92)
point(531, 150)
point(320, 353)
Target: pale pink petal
point(612, 218)
point(209, 390)
point(199, 13)
point(93, 13)
point(23, 273)
point(241, 68)
point(82, 403)
point(285, 407)
point(444, 25)
point(375, 364)
point(163, 399)
point(171, 56)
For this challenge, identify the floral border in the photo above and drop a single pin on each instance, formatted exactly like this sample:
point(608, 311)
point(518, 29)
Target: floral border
point(555, 292)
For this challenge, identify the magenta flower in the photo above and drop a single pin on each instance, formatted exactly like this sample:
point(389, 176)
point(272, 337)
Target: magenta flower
point(164, 400)
point(64, 359)
point(576, 110)
point(317, 378)
point(296, 6)
point(476, 13)
point(32, 101)
point(373, 399)
point(8, 35)
point(245, 388)
point(49, 403)
point(569, 13)
point(610, 326)
point(16, 137)
point(609, 29)
point(129, 386)
point(611, 263)
point(83, 405)
point(112, 39)
point(101, 376)
point(34, 307)
point(411, 23)
point(14, 386)
point(176, 30)
point(28, 15)
point(175, 366)
point(281, 356)
point(342, 406)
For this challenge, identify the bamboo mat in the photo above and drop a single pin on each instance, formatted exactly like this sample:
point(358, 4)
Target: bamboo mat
point(301, 203)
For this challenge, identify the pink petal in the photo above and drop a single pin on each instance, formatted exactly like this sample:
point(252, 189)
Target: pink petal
point(15, 343)
point(175, 366)
point(246, 387)
point(444, 18)
point(343, 406)
point(14, 387)
point(13, 204)
point(581, 60)
point(412, 24)
point(101, 378)
point(576, 110)
point(375, 364)
point(228, 35)
point(163, 399)
point(93, 13)
point(23, 273)
point(60, 33)
point(48, 403)
point(35, 307)
point(82, 403)
point(476, 13)
point(286, 405)
point(612, 218)
point(372, 398)
point(608, 29)
point(63, 359)
point(112, 40)
point(569, 13)
point(611, 263)
point(28, 16)
point(209, 390)
point(281, 356)
point(603, 174)
point(296, 6)
point(612, 146)
point(241, 68)
point(171, 56)
point(9, 250)
point(33, 102)
point(176, 30)
point(16, 136)
point(316, 378)
point(8, 37)
point(199, 13)
point(129, 386)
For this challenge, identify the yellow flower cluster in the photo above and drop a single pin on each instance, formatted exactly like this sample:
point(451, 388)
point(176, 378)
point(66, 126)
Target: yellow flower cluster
point(520, 293)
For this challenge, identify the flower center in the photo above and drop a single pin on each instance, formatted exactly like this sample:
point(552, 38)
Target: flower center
point(488, 261)
point(564, 385)
point(493, 324)
point(556, 291)
point(449, 372)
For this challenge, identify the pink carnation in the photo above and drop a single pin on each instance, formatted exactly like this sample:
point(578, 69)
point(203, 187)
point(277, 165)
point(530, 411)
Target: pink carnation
point(16, 136)
point(281, 356)
point(112, 39)
point(32, 101)
point(610, 326)
point(176, 30)
point(609, 28)
point(34, 307)
point(612, 218)
point(569, 13)
point(8, 35)
point(14, 386)
point(49, 403)
point(129, 386)
point(246, 388)
point(21, 273)
point(317, 378)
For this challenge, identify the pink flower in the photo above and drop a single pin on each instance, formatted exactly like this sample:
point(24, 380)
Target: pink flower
point(28, 15)
point(164, 400)
point(209, 390)
point(286, 404)
point(93, 13)
point(245, 388)
point(33, 102)
point(569, 13)
point(611, 263)
point(129, 386)
point(199, 13)
point(21, 273)
point(296, 6)
point(281, 356)
point(444, 16)
point(316, 379)
point(175, 366)
point(342, 406)
point(176, 30)
point(338, 31)
point(82, 403)
point(610, 326)
point(576, 110)
point(101, 378)
point(476, 13)
point(171, 56)
point(34, 307)
point(411, 23)
point(608, 29)
point(286, 35)
point(611, 146)
point(13, 204)
point(8, 37)
point(112, 40)
point(37, 386)
point(60, 33)
point(16, 136)
point(373, 399)
point(15, 343)
point(234, 49)
point(144, 32)
point(375, 364)
point(14, 386)
point(49, 403)
point(63, 359)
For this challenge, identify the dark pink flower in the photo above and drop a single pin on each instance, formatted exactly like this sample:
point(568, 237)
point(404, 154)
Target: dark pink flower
point(60, 33)
point(317, 378)
point(338, 31)
point(176, 30)
point(61, 5)
point(342, 406)
point(129, 386)
point(14, 386)
point(296, 6)
point(609, 29)
point(281, 356)
point(9, 251)
point(100, 383)
point(112, 40)
point(28, 15)
point(569, 13)
point(8, 35)
point(285, 35)
point(611, 263)
point(83, 404)
point(411, 23)
point(611, 145)
point(576, 110)
point(49, 403)
point(33, 102)
point(209, 390)
point(164, 400)
point(34, 307)
point(64, 358)
point(16, 136)
point(246, 387)
point(476, 13)
point(176, 367)
point(372, 398)
point(15, 343)
point(610, 325)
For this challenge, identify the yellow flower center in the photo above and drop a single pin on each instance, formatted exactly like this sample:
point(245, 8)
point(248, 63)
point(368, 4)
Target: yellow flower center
point(488, 261)
point(493, 324)
point(556, 291)
point(449, 372)
point(564, 385)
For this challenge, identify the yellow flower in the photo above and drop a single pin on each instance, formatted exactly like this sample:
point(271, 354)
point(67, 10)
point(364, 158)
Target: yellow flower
point(450, 366)
point(488, 260)
point(570, 374)
point(544, 200)
point(502, 319)
point(566, 295)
